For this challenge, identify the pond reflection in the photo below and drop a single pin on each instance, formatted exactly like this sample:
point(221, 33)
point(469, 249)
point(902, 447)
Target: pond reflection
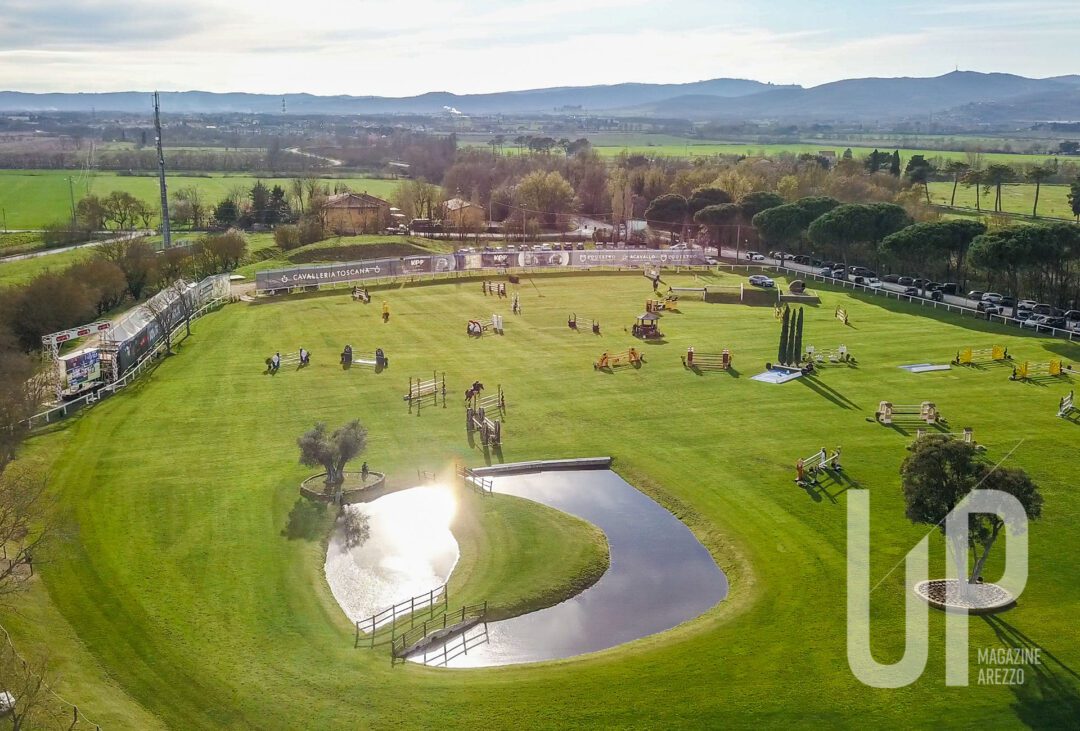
point(409, 550)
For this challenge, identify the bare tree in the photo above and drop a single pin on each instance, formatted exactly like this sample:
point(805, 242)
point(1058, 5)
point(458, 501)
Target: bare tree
point(166, 308)
point(27, 698)
point(23, 524)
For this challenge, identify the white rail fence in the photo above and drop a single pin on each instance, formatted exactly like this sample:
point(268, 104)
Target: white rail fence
point(63, 410)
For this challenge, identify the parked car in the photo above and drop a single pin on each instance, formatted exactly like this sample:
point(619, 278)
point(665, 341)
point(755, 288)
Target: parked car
point(838, 273)
point(891, 278)
point(874, 283)
point(825, 272)
point(760, 280)
point(1035, 321)
point(951, 288)
point(711, 261)
point(921, 283)
point(988, 307)
point(1026, 304)
point(1057, 322)
point(859, 271)
point(975, 294)
point(935, 294)
point(905, 281)
point(1007, 301)
point(829, 264)
point(758, 257)
point(911, 291)
point(750, 255)
point(991, 297)
point(800, 259)
point(1042, 309)
point(1025, 315)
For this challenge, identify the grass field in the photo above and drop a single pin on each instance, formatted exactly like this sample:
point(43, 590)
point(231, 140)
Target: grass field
point(612, 144)
point(34, 198)
point(699, 149)
point(1019, 198)
point(176, 601)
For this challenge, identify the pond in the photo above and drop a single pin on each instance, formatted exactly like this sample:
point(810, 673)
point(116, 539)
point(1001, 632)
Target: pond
point(659, 575)
point(410, 550)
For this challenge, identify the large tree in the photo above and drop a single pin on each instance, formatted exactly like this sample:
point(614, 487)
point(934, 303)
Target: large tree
point(757, 201)
point(713, 217)
point(787, 224)
point(857, 223)
point(332, 451)
point(997, 175)
point(667, 211)
point(918, 172)
point(1074, 197)
point(933, 247)
point(957, 169)
point(1037, 175)
point(940, 473)
point(544, 196)
point(704, 197)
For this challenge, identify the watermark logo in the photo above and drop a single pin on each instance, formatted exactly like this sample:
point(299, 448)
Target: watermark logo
point(916, 635)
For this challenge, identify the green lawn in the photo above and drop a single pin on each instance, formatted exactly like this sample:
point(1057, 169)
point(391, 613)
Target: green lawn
point(1018, 198)
point(34, 198)
point(520, 556)
point(699, 149)
point(176, 601)
point(612, 144)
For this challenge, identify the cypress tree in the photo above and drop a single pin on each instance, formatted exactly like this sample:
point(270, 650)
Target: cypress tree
point(797, 346)
point(894, 166)
point(782, 353)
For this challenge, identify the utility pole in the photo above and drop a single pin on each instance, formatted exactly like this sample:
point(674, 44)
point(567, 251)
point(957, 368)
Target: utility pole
point(71, 194)
point(166, 239)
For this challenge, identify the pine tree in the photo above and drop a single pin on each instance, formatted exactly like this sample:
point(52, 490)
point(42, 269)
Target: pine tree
point(782, 353)
point(797, 345)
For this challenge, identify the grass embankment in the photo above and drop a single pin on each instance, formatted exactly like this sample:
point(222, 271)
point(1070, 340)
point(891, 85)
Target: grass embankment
point(521, 556)
point(178, 599)
point(35, 198)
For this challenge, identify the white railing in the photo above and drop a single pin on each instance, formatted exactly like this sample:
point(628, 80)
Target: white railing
point(68, 407)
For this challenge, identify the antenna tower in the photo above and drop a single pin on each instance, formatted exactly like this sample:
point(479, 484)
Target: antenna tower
point(166, 238)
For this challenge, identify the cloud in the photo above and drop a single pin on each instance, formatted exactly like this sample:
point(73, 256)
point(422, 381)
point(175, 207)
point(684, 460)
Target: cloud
point(396, 48)
point(55, 24)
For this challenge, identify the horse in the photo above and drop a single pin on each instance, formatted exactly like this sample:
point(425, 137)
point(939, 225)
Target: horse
point(473, 391)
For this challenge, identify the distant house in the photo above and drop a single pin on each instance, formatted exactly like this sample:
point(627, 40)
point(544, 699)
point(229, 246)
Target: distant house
point(463, 215)
point(356, 213)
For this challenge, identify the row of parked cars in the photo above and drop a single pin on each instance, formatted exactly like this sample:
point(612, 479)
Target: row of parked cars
point(1032, 314)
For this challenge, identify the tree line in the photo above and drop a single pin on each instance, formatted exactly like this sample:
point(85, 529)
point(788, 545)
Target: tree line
point(120, 273)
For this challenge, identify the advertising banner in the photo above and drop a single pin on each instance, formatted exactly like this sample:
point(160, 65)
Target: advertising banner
point(81, 370)
point(465, 261)
point(326, 274)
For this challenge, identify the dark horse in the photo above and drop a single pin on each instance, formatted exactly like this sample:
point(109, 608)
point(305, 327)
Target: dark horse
point(473, 391)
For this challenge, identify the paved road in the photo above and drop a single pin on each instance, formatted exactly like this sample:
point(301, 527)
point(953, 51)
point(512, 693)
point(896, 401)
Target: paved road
point(330, 160)
point(62, 249)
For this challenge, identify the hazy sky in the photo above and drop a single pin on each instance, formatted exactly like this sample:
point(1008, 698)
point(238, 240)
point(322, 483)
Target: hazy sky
point(402, 47)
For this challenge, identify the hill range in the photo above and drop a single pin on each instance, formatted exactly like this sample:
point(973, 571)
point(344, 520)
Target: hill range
point(960, 96)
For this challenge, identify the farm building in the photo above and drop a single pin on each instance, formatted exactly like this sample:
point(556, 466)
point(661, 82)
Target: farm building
point(463, 215)
point(356, 213)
